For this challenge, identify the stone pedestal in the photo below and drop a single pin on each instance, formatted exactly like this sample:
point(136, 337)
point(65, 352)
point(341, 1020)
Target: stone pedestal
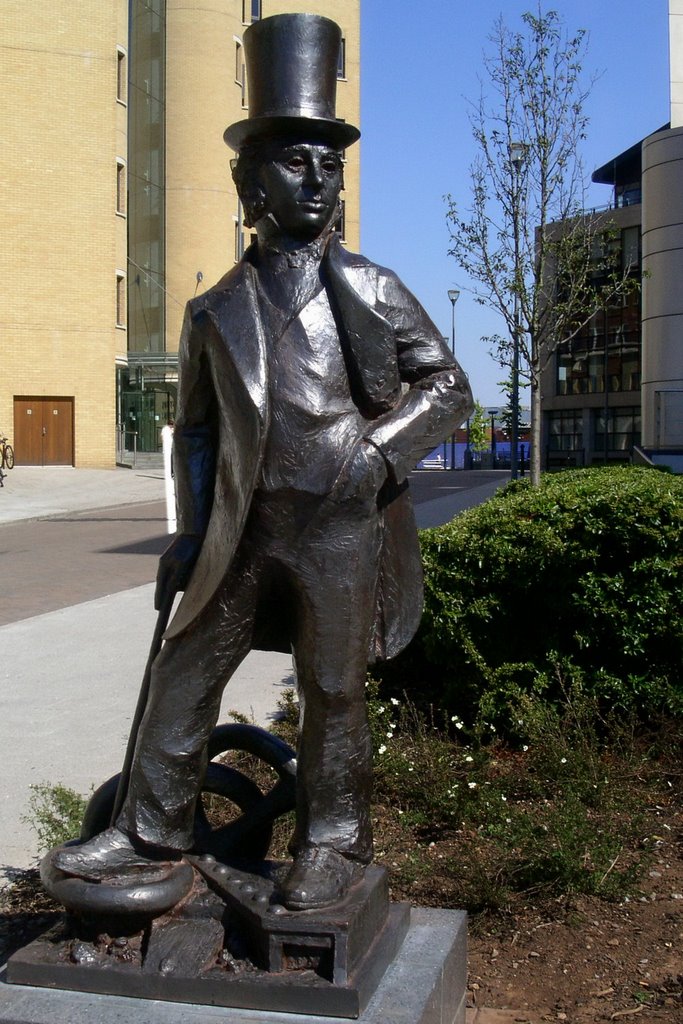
point(426, 984)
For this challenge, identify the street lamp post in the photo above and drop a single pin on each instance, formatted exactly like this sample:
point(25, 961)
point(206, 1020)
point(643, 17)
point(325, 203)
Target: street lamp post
point(453, 295)
point(492, 414)
point(517, 153)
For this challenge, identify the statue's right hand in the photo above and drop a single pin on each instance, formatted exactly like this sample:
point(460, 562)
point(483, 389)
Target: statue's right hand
point(175, 566)
point(362, 474)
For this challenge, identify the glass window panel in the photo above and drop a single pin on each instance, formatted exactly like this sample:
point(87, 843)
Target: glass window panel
point(565, 431)
point(341, 62)
point(630, 247)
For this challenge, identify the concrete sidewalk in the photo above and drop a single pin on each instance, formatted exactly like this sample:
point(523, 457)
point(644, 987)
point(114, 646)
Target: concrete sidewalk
point(33, 492)
point(69, 682)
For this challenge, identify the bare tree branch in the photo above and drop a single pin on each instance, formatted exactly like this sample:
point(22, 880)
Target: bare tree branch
point(533, 254)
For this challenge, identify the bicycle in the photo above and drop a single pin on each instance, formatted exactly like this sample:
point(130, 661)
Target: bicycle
point(6, 454)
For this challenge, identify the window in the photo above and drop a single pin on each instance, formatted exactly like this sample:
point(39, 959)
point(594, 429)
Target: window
point(630, 249)
point(341, 60)
point(120, 299)
point(623, 429)
point(121, 75)
point(340, 226)
point(628, 195)
point(572, 369)
point(584, 366)
point(251, 11)
point(120, 187)
point(606, 353)
point(565, 431)
point(240, 71)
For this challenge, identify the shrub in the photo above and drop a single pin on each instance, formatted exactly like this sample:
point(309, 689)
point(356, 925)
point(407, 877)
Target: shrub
point(554, 816)
point(55, 814)
point(583, 573)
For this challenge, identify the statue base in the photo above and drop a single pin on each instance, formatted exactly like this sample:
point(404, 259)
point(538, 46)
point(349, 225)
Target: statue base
point(425, 984)
point(230, 943)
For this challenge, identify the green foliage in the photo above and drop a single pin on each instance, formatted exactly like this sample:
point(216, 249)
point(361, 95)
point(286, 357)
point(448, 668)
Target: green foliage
point(554, 815)
point(478, 429)
point(55, 814)
point(576, 582)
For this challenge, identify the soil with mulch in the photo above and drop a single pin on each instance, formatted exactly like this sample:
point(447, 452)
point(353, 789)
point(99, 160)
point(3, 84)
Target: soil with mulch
point(578, 958)
point(575, 958)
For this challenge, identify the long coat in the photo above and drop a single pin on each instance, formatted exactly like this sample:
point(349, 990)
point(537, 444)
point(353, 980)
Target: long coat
point(402, 377)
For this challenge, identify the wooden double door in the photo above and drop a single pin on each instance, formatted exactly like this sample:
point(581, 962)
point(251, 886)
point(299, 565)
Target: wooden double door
point(44, 431)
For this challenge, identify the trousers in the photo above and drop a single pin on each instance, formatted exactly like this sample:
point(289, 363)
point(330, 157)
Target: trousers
point(313, 563)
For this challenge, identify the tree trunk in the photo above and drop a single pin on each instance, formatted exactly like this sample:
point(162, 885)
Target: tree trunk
point(535, 456)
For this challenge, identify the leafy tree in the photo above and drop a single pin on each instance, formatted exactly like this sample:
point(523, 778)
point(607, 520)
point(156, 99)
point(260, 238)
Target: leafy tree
point(478, 431)
point(532, 252)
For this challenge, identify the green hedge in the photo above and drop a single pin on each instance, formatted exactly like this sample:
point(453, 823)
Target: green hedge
point(577, 580)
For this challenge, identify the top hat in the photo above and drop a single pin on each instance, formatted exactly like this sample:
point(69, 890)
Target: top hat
point(292, 62)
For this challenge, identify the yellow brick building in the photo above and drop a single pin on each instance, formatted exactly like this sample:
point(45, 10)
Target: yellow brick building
point(118, 206)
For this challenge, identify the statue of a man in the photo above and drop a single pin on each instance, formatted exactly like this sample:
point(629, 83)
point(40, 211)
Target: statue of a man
point(311, 382)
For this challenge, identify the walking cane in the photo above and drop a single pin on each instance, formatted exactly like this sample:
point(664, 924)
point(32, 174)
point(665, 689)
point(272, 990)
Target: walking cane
point(157, 639)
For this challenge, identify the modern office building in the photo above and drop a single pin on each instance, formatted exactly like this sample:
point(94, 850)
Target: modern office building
point(118, 205)
point(616, 391)
point(591, 384)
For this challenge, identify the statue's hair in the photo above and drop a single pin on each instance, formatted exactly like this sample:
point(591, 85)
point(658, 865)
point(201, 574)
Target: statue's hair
point(245, 169)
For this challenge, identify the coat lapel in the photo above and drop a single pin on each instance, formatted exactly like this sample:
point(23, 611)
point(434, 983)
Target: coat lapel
point(368, 340)
point(236, 315)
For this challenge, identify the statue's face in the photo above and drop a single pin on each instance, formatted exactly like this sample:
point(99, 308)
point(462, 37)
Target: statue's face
point(302, 182)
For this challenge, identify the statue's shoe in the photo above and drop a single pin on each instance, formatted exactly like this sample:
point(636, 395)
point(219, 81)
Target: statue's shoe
point(108, 854)
point(319, 877)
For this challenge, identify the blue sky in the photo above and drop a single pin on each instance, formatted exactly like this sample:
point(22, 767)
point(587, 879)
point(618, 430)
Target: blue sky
point(418, 73)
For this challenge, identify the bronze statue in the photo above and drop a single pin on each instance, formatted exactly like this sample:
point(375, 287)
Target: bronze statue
point(311, 382)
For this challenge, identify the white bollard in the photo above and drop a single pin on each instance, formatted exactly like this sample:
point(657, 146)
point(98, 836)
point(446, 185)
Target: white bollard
point(167, 449)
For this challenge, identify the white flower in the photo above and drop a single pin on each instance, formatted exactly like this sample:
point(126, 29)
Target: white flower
point(472, 785)
point(525, 748)
point(458, 725)
point(563, 760)
point(394, 702)
point(504, 798)
point(380, 710)
point(390, 735)
point(382, 750)
point(468, 758)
